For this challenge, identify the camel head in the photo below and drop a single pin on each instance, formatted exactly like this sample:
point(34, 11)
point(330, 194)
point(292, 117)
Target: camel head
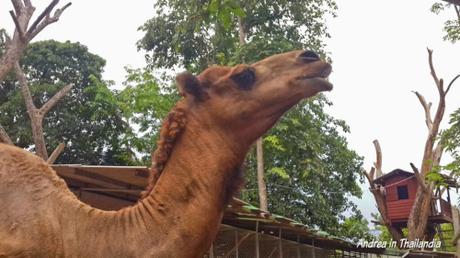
point(246, 100)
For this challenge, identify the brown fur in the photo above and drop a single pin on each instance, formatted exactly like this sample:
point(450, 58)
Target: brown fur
point(170, 131)
point(203, 143)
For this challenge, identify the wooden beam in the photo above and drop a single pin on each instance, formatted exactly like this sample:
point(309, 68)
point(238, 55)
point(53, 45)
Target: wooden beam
point(111, 190)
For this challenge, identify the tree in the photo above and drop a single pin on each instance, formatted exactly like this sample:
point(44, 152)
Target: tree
point(313, 172)
point(195, 34)
point(23, 33)
point(451, 141)
point(356, 228)
point(87, 119)
point(451, 26)
point(13, 48)
point(144, 104)
point(417, 224)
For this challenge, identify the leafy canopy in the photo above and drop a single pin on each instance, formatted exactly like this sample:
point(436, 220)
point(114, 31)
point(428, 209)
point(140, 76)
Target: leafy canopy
point(195, 34)
point(310, 170)
point(87, 119)
point(451, 26)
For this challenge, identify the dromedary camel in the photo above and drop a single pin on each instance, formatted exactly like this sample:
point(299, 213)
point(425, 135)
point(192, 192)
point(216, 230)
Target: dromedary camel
point(224, 110)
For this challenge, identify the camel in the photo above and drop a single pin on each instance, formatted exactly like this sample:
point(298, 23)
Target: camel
point(202, 147)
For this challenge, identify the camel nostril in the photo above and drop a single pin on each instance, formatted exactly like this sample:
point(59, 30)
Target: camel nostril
point(309, 56)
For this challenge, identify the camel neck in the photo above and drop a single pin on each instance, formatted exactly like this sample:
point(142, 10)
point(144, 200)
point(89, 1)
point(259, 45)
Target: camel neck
point(190, 194)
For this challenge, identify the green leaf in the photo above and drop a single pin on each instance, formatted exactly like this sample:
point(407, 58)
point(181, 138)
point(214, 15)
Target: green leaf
point(279, 172)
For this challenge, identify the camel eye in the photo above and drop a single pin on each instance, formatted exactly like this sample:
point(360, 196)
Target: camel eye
point(245, 79)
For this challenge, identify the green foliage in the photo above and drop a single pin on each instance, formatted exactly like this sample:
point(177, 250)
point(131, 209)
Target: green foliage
point(436, 178)
point(144, 105)
point(355, 228)
point(195, 34)
point(311, 173)
point(448, 236)
point(384, 234)
point(451, 26)
point(451, 141)
point(87, 119)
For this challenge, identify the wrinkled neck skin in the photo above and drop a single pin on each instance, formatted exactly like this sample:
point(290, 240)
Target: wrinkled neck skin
point(181, 217)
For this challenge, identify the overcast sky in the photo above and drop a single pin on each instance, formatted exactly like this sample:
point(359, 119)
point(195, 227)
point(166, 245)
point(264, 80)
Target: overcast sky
point(379, 57)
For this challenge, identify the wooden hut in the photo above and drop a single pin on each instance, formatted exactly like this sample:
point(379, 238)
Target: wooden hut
point(400, 188)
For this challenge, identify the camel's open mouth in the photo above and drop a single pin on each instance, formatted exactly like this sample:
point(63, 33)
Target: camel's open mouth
point(320, 78)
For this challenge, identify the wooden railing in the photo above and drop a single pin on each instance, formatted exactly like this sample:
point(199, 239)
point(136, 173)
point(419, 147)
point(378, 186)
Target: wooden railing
point(441, 207)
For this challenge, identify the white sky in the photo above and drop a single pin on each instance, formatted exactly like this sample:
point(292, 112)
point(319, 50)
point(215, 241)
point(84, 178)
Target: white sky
point(379, 57)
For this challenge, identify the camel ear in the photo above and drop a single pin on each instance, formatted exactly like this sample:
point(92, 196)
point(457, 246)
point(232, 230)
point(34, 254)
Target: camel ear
point(189, 85)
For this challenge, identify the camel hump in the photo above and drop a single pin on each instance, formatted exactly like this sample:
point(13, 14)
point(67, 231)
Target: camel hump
point(20, 168)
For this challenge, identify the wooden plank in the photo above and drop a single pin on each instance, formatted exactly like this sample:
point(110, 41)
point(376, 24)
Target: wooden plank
point(136, 176)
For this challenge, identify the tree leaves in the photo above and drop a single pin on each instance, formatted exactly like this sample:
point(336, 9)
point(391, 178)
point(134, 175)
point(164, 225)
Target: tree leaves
point(87, 119)
point(195, 34)
point(451, 26)
point(310, 171)
point(450, 139)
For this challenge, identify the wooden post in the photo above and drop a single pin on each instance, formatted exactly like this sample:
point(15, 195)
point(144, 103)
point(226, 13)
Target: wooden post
point(314, 251)
point(448, 195)
point(236, 244)
point(257, 240)
point(280, 243)
point(298, 246)
point(211, 251)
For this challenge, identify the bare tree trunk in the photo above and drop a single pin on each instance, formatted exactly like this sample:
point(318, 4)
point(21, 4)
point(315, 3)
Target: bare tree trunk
point(421, 209)
point(262, 186)
point(379, 194)
point(36, 115)
point(23, 34)
point(4, 138)
point(55, 154)
point(263, 199)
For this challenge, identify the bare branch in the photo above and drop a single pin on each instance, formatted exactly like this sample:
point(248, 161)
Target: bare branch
point(426, 107)
point(457, 10)
point(59, 11)
point(4, 137)
point(44, 14)
point(36, 119)
point(25, 89)
point(28, 3)
point(34, 30)
point(18, 6)
point(55, 99)
point(369, 176)
point(419, 178)
point(378, 155)
point(451, 82)
point(433, 72)
point(56, 153)
point(18, 27)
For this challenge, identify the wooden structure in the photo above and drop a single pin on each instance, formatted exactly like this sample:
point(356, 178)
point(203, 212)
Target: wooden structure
point(400, 188)
point(246, 231)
